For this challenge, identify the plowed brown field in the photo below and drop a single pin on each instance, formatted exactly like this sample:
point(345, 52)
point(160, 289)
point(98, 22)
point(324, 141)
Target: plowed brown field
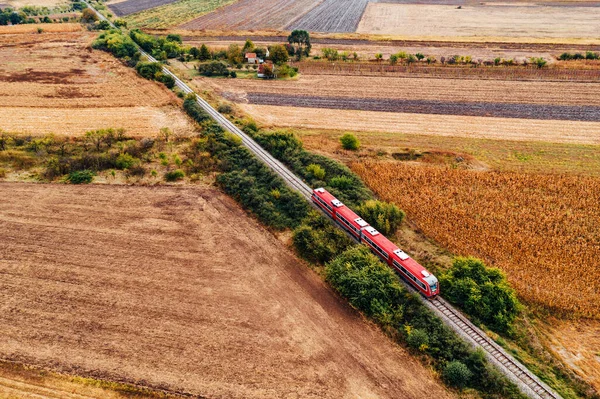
point(541, 229)
point(178, 288)
point(54, 83)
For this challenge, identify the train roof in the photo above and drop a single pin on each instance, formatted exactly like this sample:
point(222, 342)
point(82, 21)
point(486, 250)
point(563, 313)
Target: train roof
point(349, 214)
point(400, 256)
point(327, 197)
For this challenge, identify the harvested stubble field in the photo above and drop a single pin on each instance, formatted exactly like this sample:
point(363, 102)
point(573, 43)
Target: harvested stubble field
point(33, 28)
point(54, 83)
point(539, 228)
point(573, 132)
point(253, 14)
point(177, 288)
point(483, 20)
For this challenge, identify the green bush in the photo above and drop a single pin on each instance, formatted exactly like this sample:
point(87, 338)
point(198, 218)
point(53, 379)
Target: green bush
point(81, 177)
point(174, 175)
point(318, 240)
point(125, 161)
point(115, 42)
point(315, 171)
point(418, 339)
point(148, 70)
point(385, 217)
point(349, 142)
point(457, 374)
point(165, 79)
point(481, 292)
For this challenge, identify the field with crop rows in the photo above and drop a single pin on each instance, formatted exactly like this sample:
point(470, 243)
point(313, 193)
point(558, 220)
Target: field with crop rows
point(172, 14)
point(464, 72)
point(127, 7)
point(253, 15)
point(54, 83)
point(332, 16)
point(467, 90)
point(482, 20)
point(141, 284)
point(541, 229)
point(433, 107)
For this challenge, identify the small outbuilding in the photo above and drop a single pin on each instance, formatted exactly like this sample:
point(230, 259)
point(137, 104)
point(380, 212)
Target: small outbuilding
point(251, 58)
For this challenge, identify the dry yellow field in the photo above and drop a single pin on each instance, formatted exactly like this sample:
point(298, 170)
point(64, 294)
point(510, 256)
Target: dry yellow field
point(55, 83)
point(541, 229)
point(38, 3)
point(516, 20)
point(434, 125)
point(33, 28)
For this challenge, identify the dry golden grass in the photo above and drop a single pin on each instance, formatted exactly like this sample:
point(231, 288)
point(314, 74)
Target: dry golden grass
point(55, 83)
point(422, 124)
point(543, 230)
point(577, 343)
point(525, 21)
point(33, 28)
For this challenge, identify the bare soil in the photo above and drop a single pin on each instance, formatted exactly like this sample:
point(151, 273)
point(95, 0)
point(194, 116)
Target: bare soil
point(127, 7)
point(332, 16)
point(55, 83)
point(177, 288)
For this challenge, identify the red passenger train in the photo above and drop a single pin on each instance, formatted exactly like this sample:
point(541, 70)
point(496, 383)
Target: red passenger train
point(415, 274)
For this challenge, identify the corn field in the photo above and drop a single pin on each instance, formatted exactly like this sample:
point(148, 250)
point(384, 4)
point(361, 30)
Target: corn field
point(543, 230)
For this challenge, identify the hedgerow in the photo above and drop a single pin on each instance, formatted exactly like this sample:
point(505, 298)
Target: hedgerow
point(121, 46)
point(247, 179)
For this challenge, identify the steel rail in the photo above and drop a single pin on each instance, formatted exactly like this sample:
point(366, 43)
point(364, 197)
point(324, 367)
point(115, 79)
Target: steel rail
point(512, 368)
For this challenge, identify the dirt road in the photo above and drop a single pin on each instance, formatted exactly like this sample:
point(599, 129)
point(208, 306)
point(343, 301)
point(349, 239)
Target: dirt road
point(177, 288)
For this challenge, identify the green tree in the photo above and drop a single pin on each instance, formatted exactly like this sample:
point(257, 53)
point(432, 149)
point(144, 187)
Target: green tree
point(248, 47)
point(393, 59)
point(457, 374)
point(418, 339)
point(385, 217)
point(349, 142)
point(481, 292)
point(172, 37)
point(301, 39)
point(88, 15)
point(318, 240)
point(278, 54)
point(204, 53)
point(234, 54)
point(419, 56)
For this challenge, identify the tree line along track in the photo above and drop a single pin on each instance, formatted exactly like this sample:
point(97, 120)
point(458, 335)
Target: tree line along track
point(508, 365)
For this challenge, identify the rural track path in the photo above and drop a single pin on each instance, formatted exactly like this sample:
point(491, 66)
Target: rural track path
point(529, 383)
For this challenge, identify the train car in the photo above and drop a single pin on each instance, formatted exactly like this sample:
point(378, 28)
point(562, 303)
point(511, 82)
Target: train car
point(350, 221)
point(324, 200)
point(415, 274)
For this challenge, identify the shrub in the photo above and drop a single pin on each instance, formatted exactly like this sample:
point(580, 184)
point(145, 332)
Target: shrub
point(165, 79)
point(148, 70)
point(233, 74)
point(417, 339)
point(174, 175)
point(88, 15)
point(318, 240)
point(349, 142)
point(457, 374)
point(118, 44)
point(385, 217)
point(225, 109)
point(172, 37)
point(125, 161)
point(316, 171)
point(481, 292)
point(80, 177)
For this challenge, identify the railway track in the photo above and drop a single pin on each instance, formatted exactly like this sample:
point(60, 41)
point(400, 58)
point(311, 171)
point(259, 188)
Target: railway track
point(513, 369)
